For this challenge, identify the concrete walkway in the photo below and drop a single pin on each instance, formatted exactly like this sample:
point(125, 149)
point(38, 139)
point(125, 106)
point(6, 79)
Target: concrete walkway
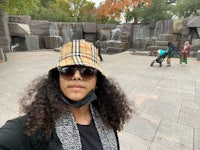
point(167, 99)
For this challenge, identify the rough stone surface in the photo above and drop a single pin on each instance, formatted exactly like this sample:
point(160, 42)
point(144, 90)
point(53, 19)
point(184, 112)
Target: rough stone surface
point(198, 55)
point(193, 21)
point(90, 37)
point(104, 35)
point(18, 29)
point(168, 37)
point(90, 31)
point(78, 34)
point(127, 33)
point(40, 28)
point(195, 43)
point(52, 41)
point(4, 40)
point(20, 19)
point(106, 26)
point(2, 56)
point(4, 31)
point(32, 42)
point(39, 24)
point(114, 50)
point(89, 27)
point(179, 26)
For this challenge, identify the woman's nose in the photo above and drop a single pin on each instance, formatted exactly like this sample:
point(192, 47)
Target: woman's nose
point(77, 75)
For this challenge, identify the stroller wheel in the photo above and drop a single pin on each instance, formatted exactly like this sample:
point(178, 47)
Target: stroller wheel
point(160, 65)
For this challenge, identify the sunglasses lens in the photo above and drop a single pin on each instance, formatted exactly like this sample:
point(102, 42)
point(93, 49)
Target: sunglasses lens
point(69, 71)
point(87, 73)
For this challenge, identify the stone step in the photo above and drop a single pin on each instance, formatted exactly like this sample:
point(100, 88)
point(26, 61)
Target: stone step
point(154, 47)
point(165, 43)
point(161, 43)
point(114, 50)
point(198, 55)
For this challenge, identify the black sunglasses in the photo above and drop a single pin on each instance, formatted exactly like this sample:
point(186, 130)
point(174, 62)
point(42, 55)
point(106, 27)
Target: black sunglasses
point(86, 72)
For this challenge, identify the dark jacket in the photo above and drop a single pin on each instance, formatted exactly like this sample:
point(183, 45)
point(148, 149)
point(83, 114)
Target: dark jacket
point(170, 53)
point(13, 138)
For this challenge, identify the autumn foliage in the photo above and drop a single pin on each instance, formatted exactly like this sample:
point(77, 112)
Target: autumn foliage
point(113, 8)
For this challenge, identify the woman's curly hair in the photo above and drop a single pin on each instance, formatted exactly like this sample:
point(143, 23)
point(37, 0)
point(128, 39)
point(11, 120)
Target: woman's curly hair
point(42, 104)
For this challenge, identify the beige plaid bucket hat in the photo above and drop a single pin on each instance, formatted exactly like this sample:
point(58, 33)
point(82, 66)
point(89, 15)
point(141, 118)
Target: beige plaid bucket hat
point(80, 52)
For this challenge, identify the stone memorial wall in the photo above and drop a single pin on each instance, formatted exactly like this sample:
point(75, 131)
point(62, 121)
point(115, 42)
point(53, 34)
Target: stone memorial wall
point(4, 31)
point(20, 33)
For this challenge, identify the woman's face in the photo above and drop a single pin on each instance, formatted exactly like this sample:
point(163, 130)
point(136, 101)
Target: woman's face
point(186, 43)
point(77, 88)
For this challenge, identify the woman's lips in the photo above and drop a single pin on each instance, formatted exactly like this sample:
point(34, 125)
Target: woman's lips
point(75, 87)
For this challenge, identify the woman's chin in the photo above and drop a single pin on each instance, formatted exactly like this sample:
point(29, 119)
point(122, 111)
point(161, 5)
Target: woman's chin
point(76, 98)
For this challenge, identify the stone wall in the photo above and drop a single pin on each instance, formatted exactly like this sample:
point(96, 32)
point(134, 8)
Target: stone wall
point(40, 28)
point(21, 33)
point(156, 35)
point(4, 32)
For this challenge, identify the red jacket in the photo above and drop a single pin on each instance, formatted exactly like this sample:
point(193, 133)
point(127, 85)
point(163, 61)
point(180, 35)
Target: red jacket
point(185, 51)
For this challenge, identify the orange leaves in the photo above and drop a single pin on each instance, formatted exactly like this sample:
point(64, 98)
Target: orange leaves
point(113, 8)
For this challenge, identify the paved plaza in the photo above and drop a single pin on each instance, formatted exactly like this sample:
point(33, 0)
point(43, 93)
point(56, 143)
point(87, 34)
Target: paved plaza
point(166, 99)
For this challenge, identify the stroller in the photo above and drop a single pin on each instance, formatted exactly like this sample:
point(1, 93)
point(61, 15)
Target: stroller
point(161, 53)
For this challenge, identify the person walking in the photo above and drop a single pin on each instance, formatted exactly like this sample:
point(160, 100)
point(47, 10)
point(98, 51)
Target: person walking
point(74, 107)
point(170, 50)
point(184, 52)
point(97, 44)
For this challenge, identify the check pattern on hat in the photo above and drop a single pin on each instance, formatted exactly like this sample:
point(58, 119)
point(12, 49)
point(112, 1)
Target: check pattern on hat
point(80, 52)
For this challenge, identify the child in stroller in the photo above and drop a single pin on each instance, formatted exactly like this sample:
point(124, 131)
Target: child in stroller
point(161, 53)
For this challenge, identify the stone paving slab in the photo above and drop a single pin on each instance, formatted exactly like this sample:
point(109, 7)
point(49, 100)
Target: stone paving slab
point(197, 139)
point(166, 99)
point(173, 136)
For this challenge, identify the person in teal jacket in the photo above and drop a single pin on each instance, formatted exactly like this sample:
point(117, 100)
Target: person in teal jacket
point(170, 50)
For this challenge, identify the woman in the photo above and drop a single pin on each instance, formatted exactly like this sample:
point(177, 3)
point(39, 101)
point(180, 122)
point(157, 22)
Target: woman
point(170, 50)
point(185, 50)
point(75, 107)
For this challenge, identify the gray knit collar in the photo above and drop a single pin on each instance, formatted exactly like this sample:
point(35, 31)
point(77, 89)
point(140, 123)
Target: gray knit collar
point(68, 133)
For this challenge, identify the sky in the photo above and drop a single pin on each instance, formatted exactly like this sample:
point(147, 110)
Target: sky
point(97, 2)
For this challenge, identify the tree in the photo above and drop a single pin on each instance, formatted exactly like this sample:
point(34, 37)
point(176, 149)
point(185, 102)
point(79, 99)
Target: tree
point(46, 3)
point(19, 7)
point(52, 10)
point(158, 10)
point(80, 10)
point(114, 8)
point(134, 14)
point(185, 8)
point(3, 3)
